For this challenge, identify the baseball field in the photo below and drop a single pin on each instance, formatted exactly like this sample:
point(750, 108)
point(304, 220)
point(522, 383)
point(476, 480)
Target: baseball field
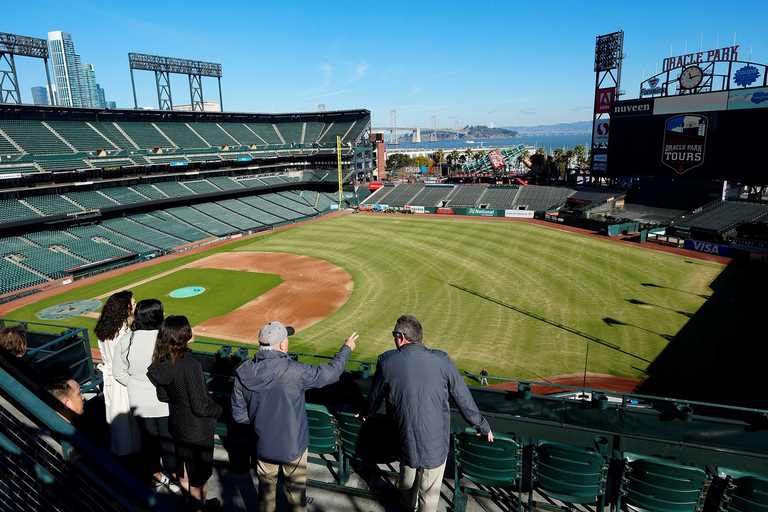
point(522, 300)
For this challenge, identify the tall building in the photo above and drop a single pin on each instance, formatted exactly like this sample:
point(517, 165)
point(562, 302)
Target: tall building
point(75, 80)
point(40, 95)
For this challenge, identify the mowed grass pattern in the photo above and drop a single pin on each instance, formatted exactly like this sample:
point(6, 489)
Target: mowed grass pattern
point(518, 299)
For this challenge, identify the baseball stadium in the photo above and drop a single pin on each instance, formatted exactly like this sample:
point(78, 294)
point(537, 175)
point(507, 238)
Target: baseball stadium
point(616, 314)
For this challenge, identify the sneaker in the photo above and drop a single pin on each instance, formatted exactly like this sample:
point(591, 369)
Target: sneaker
point(174, 486)
point(212, 505)
point(164, 480)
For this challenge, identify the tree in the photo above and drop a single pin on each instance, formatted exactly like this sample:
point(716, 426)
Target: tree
point(469, 154)
point(522, 158)
point(453, 159)
point(397, 161)
point(439, 158)
point(421, 161)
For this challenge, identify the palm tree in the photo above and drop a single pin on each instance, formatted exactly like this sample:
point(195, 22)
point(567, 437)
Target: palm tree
point(439, 158)
point(469, 154)
point(453, 158)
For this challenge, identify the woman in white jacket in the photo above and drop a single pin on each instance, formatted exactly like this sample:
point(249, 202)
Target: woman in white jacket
point(132, 357)
point(113, 323)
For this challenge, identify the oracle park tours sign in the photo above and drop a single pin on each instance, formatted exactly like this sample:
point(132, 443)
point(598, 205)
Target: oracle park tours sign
point(696, 119)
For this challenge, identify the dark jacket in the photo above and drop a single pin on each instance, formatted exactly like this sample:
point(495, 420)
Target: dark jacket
point(182, 384)
point(416, 382)
point(269, 394)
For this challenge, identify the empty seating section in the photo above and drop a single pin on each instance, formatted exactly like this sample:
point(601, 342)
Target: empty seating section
point(201, 187)
point(432, 196)
point(52, 204)
point(48, 262)
point(283, 199)
point(291, 132)
point(16, 277)
point(213, 134)
point(141, 232)
point(312, 131)
point(251, 182)
point(262, 204)
point(298, 197)
point(81, 135)
point(13, 244)
point(145, 135)
point(542, 198)
point(90, 199)
point(381, 195)
point(35, 138)
point(169, 224)
point(202, 221)
point(61, 164)
point(310, 197)
point(123, 195)
point(113, 133)
point(48, 238)
point(225, 183)
point(101, 163)
point(12, 210)
point(267, 133)
point(148, 191)
point(466, 195)
point(725, 215)
point(337, 129)
point(6, 148)
point(242, 134)
point(113, 238)
point(228, 216)
point(182, 135)
point(250, 211)
point(95, 251)
point(18, 168)
point(403, 194)
point(500, 197)
point(174, 189)
point(273, 180)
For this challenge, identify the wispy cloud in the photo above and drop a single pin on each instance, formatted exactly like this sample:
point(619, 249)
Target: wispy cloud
point(326, 71)
point(415, 90)
point(360, 70)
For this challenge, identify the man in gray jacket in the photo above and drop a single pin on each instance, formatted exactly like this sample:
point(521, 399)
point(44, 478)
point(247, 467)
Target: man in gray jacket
point(416, 382)
point(269, 394)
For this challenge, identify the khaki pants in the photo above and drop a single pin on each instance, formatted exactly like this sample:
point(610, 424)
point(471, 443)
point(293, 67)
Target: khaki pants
point(422, 485)
point(295, 484)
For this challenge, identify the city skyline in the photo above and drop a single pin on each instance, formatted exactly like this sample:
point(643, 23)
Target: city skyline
point(494, 63)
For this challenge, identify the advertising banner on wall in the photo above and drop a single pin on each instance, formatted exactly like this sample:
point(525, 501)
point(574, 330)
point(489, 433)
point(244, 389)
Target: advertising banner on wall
point(519, 214)
point(748, 98)
point(709, 102)
point(602, 127)
point(632, 108)
point(415, 209)
point(603, 100)
point(693, 245)
point(481, 212)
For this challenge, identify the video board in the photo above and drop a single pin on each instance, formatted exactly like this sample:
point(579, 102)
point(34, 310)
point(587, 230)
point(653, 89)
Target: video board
point(702, 136)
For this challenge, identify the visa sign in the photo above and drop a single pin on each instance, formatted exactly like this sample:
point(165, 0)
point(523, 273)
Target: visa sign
point(720, 250)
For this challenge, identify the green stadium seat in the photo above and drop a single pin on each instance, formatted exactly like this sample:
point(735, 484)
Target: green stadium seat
point(324, 440)
point(498, 465)
point(743, 492)
point(568, 473)
point(368, 442)
point(652, 484)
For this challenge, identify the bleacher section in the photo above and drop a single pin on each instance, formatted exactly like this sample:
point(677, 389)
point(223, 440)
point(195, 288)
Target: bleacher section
point(500, 198)
point(213, 134)
point(467, 195)
point(162, 221)
point(49, 262)
point(82, 136)
point(51, 204)
point(173, 189)
point(432, 195)
point(35, 138)
point(225, 183)
point(202, 221)
point(242, 134)
point(227, 216)
point(201, 187)
point(141, 232)
point(113, 238)
point(112, 132)
point(90, 200)
point(124, 195)
point(542, 198)
point(182, 135)
point(145, 135)
point(149, 191)
point(266, 133)
point(12, 210)
point(724, 216)
point(17, 278)
point(253, 213)
point(95, 251)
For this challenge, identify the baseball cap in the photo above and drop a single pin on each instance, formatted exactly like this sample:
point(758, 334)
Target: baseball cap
point(273, 333)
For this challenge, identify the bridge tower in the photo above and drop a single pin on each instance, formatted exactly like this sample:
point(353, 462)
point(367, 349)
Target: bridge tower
point(433, 125)
point(455, 130)
point(393, 127)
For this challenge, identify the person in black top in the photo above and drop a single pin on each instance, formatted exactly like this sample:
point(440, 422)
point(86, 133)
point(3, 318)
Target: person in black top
point(180, 382)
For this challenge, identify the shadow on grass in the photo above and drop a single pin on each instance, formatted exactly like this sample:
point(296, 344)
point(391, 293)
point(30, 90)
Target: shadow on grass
point(715, 356)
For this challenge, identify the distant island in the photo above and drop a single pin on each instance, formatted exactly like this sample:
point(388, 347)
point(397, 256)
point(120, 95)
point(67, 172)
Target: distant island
point(469, 132)
point(577, 127)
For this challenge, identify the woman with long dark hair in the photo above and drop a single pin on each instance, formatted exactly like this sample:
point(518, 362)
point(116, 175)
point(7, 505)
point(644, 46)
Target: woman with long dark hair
point(124, 437)
point(132, 357)
point(180, 382)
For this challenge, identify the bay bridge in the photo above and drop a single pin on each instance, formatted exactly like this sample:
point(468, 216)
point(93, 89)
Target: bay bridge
point(433, 129)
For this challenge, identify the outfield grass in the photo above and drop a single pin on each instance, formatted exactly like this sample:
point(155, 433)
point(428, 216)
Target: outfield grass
point(521, 300)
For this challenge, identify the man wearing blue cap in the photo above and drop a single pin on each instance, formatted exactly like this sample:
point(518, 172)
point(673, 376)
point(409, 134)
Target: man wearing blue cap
point(269, 395)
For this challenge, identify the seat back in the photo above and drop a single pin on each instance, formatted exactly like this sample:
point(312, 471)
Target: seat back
point(569, 473)
point(369, 441)
point(744, 492)
point(660, 485)
point(323, 430)
point(497, 464)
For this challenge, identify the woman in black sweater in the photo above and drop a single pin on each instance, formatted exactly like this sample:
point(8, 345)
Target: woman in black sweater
point(180, 382)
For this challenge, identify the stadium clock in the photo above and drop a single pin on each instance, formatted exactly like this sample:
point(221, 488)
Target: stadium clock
point(691, 77)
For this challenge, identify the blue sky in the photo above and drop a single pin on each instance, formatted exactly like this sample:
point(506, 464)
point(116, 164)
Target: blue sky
point(508, 63)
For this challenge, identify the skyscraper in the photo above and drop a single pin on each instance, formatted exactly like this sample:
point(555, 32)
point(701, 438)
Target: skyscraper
point(40, 95)
point(75, 80)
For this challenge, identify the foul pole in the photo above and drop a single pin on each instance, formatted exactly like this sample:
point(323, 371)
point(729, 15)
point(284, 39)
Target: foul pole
point(338, 158)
